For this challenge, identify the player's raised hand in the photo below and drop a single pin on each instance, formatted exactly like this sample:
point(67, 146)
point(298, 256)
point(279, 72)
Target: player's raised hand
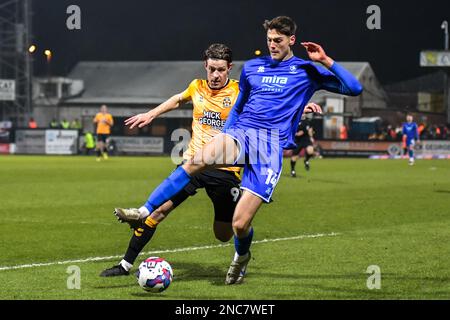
point(140, 120)
point(313, 108)
point(316, 53)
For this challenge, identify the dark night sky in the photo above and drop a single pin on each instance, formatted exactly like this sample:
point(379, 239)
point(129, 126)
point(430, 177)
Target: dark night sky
point(113, 30)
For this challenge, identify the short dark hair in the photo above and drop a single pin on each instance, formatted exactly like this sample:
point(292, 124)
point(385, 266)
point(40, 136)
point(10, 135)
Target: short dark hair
point(283, 24)
point(218, 51)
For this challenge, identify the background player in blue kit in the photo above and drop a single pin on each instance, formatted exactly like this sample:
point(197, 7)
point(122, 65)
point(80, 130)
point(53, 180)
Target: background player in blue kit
point(411, 134)
point(274, 91)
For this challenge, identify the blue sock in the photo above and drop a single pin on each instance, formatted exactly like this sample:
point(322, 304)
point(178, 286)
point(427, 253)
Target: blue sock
point(411, 153)
point(242, 245)
point(168, 188)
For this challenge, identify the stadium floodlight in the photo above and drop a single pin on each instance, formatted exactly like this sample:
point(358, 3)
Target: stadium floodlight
point(48, 54)
point(444, 26)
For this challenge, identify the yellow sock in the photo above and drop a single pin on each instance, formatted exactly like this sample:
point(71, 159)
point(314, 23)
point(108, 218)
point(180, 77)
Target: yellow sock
point(152, 223)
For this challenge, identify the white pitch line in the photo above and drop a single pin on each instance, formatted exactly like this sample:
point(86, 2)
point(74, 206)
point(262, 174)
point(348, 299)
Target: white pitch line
point(35, 265)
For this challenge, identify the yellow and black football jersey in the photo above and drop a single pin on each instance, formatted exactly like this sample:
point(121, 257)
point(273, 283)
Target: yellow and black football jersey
point(211, 109)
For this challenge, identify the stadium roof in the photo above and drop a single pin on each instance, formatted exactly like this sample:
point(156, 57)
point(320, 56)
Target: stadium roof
point(149, 82)
point(137, 82)
point(431, 82)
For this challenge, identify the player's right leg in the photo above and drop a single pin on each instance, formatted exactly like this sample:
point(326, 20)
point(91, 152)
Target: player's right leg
point(245, 211)
point(260, 177)
point(105, 147)
point(222, 188)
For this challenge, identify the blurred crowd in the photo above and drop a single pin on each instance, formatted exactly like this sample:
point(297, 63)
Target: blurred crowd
point(426, 132)
point(54, 124)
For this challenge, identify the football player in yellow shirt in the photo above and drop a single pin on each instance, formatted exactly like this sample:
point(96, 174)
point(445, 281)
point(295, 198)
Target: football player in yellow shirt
point(212, 100)
point(104, 122)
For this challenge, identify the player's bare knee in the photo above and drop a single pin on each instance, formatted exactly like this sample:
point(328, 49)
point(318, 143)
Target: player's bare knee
point(240, 227)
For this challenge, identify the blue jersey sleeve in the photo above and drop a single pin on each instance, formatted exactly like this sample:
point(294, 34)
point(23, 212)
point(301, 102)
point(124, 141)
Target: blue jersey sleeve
point(337, 80)
point(244, 91)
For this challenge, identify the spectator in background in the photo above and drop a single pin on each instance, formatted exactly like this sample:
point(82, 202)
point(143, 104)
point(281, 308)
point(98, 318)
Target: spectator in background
point(89, 143)
point(404, 147)
point(75, 124)
point(65, 124)
point(32, 124)
point(444, 132)
point(343, 134)
point(54, 124)
point(399, 133)
point(438, 132)
point(421, 129)
point(391, 133)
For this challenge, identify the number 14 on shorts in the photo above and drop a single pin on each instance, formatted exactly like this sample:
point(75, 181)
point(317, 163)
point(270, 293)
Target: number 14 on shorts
point(272, 177)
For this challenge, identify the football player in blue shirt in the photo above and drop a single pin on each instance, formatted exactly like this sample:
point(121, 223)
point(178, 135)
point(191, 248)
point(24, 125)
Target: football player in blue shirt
point(274, 91)
point(411, 134)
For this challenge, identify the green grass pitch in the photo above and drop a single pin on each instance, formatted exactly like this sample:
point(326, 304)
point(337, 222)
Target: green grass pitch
point(357, 213)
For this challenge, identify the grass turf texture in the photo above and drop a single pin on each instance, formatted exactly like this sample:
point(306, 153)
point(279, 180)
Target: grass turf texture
point(386, 213)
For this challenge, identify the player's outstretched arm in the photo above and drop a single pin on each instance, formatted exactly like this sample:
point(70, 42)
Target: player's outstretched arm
point(143, 119)
point(343, 82)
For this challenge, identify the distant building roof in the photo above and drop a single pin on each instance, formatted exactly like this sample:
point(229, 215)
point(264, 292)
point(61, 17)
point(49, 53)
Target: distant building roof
point(137, 82)
point(149, 82)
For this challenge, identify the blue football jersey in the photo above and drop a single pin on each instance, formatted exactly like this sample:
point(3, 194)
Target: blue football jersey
point(274, 93)
point(410, 130)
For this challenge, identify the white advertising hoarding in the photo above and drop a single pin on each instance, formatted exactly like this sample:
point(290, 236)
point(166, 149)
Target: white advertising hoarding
point(435, 59)
point(61, 141)
point(7, 90)
point(139, 144)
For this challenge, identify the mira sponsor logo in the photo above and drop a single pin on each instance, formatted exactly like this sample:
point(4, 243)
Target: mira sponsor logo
point(274, 80)
point(273, 83)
